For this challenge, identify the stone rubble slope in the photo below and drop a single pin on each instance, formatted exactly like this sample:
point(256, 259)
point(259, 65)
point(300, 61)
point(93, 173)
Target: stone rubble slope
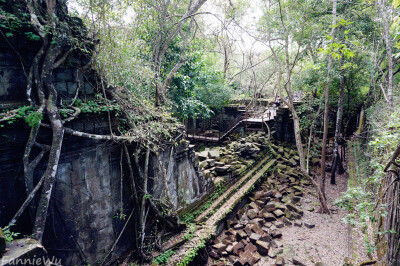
point(253, 234)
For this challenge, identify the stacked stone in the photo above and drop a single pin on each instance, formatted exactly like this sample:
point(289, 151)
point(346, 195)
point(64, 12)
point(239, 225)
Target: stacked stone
point(255, 230)
point(233, 157)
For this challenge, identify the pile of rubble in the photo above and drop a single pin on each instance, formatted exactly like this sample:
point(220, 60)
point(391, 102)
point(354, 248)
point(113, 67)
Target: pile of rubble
point(254, 232)
point(233, 157)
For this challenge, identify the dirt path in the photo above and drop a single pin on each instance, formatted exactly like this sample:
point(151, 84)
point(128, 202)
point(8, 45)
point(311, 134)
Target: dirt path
point(331, 240)
point(209, 225)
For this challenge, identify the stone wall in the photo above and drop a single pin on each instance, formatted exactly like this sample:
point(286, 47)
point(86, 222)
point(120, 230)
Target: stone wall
point(82, 224)
point(283, 127)
point(14, 68)
point(185, 180)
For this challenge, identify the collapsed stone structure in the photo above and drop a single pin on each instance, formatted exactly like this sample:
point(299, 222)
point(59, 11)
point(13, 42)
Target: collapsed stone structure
point(81, 226)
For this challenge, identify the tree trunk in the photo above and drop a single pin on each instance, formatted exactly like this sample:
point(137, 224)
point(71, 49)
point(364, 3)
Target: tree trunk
point(339, 116)
point(51, 170)
point(163, 42)
point(324, 209)
point(143, 205)
point(385, 17)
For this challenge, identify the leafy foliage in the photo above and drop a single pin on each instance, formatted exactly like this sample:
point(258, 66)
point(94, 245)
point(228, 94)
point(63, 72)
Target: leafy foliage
point(164, 258)
point(10, 236)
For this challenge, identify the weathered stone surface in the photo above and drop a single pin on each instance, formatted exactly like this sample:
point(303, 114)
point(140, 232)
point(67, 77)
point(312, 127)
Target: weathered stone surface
point(278, 213)
point(202, 155)
point(298, 224)
point(286, 221)
point(276, 233)
point(262, 247)
point(220, 247)
point(279, 224)
point(279, 261)
point(21, 250)
point(252, 213)
point(256, 228)
point(229, 248)
point(250, 247)
point(241, 234)
point(213, 254)
point(281, 206)
point(222, 169)
point(238, 226)
point(296, 199)
point(295, 215)
point(268, 193)
point(276, 194)
point(254, 237)
point(258, 195)
point(254, 206)
point(213, 154)
point(247, 229)
point(265, 237)
point(270, 206)
point(269, 217)
point(237, 247)
point(232, 258)
point(298, 262)
point(294, 208)
point(211, 163)
point(231, 231)
point(250, 257)
point(272, 253)
point(368, 262)
point(309, 225)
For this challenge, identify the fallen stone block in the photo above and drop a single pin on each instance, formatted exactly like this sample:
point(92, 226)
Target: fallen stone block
point(213, 154)
point(276, 233)
point(238, 226)
point(250, 257)
point(213, 254)
point(222, 169)
point(269, 217)
point(237, 247)
point(298, 224)
point(279, 224)
point(309, 225)
point(293, 208)
point(298, 262)
point(220, 247)
point(202, 155)
point(250, 247)
point(25, 249)
point(252, 213)
point(262, 247)
point(278, 213)
point(254, 237)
